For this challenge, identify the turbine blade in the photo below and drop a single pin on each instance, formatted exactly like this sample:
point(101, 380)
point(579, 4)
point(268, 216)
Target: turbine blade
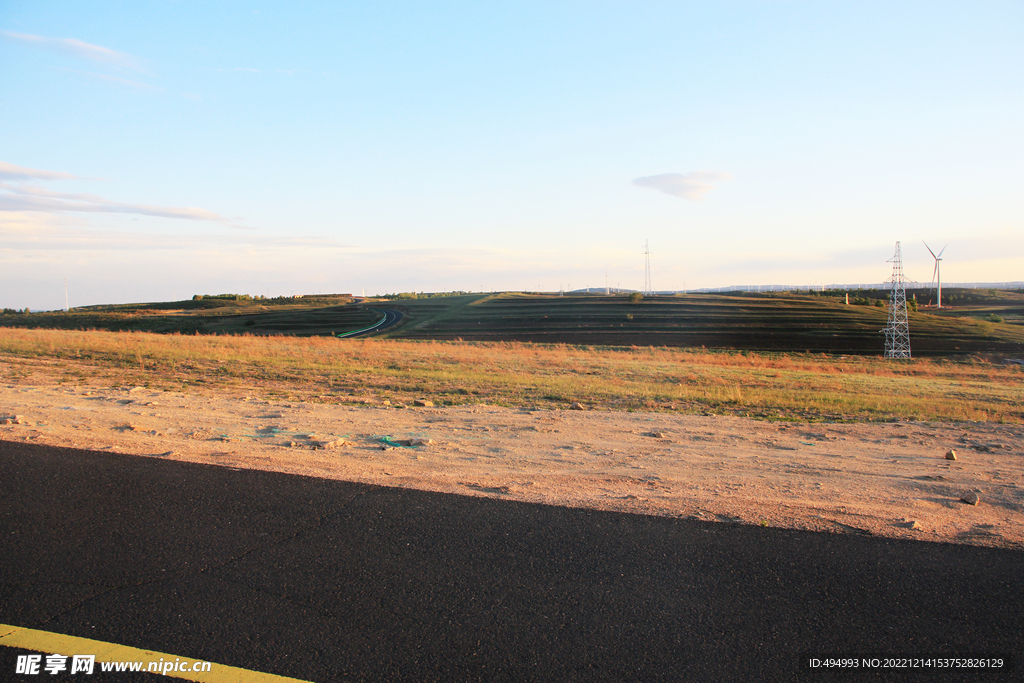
point(940, 253)
point(935, 273)
point(929, 249)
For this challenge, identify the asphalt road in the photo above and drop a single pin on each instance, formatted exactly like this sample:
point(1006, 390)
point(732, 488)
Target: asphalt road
point(333, 581)
point(390, 318)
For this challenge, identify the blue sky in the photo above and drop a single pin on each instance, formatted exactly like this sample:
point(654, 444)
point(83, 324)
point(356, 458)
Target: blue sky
point(151, 150)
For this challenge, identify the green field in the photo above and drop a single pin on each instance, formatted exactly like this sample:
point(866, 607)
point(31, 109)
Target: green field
point(971, 322)
point(742, 321)
point(306, 316)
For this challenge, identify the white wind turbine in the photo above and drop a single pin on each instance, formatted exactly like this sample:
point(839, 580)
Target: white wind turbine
point(936, 274)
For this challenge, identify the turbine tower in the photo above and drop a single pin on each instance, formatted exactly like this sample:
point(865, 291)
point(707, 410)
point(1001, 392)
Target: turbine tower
point(647, 269)
point(897, 332)
point(936, 274)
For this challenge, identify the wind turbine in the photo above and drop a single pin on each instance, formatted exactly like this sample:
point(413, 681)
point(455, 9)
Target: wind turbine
point(936, 274)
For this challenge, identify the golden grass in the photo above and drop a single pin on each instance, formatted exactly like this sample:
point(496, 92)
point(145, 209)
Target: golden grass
point(792, 386)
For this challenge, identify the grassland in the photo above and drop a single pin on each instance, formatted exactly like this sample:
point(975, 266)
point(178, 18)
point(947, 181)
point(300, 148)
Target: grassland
point(974, 321)
point(318, 369)
point(988, 305)
point(776, 356)
point(307, 316)
point(740, 321)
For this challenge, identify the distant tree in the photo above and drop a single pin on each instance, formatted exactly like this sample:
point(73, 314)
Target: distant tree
point(635, 297)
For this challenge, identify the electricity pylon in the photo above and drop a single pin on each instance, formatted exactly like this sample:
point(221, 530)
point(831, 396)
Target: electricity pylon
point(897, 332)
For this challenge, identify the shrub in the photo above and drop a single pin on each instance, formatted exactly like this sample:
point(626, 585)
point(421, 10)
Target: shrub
point(635, 297)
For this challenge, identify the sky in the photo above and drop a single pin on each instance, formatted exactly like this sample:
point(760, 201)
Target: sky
point(150, 151)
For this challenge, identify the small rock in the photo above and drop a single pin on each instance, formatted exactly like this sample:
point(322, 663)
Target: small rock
point(135, 390)
point(950, 454)
point(658, 435)
point(576, 406)
point(423, 403)
point(329, 445)
point(13, 420)
point(970, 497)
point(420, 442)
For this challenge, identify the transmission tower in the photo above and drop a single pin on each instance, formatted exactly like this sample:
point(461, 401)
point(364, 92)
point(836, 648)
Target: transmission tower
point(897, 332)
point(647, 269)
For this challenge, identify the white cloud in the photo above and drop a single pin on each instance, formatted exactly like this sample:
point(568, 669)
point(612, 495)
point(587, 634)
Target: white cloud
point(20, 198)
point(79, 49)
point(12, 172)
point(691, 186)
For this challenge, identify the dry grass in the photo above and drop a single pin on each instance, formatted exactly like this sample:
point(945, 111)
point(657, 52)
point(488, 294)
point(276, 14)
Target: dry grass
point(776, 386)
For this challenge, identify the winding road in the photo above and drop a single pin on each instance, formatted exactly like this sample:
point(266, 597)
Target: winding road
point(390, 318)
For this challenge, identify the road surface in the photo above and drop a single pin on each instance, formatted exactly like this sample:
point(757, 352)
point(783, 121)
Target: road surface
point(334, 581)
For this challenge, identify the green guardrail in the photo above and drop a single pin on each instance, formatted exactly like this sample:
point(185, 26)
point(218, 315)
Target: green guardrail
point(349, 334)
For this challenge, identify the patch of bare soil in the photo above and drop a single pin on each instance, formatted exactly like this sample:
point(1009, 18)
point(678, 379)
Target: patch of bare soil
point(891, 479)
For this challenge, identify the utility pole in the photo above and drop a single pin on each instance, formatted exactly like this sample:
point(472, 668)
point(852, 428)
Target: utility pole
point(647, 269)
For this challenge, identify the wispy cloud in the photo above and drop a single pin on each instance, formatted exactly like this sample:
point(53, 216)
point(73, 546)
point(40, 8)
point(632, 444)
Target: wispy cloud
point(78, 49)
point(692, 186)
point(12, 172)
point(15, 196)
point(117, 80)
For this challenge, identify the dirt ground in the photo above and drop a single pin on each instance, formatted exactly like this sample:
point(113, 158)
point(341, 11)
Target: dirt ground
point(890, 479)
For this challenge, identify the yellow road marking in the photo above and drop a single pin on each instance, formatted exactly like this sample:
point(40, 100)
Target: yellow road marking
point(44, 641)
